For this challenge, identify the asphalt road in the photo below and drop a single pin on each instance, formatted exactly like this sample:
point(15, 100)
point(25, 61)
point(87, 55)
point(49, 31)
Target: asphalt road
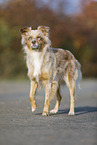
point(18, 126)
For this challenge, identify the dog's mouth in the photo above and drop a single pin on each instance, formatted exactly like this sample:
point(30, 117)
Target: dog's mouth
point(35, 47)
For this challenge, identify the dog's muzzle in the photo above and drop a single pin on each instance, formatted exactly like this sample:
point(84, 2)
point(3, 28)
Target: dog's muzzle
point(34, 45)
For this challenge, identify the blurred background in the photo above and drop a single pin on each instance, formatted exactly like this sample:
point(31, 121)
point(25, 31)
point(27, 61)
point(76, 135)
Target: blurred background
point(73, 26)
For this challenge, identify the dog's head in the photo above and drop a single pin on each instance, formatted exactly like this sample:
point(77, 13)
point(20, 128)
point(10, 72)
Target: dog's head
point(35, 40)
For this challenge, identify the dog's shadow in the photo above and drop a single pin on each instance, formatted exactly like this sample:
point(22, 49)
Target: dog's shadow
point(80, 110)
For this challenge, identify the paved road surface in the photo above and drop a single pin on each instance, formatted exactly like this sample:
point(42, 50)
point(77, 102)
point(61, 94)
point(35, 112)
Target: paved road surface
point(18, 126)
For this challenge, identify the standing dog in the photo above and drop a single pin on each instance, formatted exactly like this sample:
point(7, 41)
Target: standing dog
point(49, 66)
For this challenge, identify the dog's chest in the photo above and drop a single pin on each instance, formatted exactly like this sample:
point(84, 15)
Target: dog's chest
point(35, 62)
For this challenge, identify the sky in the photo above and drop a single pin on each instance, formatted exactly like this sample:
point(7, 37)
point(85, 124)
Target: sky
point(72, 7)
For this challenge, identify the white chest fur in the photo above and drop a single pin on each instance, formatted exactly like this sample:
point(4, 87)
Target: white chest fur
point(34, 61)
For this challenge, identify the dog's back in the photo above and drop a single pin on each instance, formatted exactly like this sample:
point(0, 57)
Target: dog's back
point(67, 66)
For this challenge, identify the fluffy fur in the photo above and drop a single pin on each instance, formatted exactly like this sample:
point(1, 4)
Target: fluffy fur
point(49, 66)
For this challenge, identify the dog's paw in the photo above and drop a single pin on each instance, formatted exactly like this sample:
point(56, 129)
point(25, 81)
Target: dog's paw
point(71, 113)
point(45, 114)
point(53, 111)
point(33, 109)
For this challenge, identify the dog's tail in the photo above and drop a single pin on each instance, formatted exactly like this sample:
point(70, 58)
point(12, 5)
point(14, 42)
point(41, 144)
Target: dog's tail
point(78, 78)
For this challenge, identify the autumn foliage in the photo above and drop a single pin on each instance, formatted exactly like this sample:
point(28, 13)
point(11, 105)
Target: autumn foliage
point(77, 33)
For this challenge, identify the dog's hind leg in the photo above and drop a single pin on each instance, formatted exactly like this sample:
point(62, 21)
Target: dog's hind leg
point(72, 92)
point(58, 100)
point(32, 93)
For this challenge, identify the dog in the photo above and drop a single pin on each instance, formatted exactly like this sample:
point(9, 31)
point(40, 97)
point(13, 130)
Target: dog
point(50, 67)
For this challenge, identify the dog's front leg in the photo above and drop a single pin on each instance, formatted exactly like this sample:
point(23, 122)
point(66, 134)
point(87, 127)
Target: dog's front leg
point(50, 92)
point(47, 98)
point(32, 93)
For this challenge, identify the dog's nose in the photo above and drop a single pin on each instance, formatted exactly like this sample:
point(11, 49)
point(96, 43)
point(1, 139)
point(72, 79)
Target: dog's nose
point(34, 41)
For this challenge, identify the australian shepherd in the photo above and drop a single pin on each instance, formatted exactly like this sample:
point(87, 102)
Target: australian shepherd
point(49, 66)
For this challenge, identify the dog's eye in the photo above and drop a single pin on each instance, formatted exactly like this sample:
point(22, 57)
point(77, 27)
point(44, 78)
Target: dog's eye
point(29, 38)
point(39, 38)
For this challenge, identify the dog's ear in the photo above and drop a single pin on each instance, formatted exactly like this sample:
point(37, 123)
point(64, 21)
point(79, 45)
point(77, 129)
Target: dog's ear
point(44, 30)
point(25, 30)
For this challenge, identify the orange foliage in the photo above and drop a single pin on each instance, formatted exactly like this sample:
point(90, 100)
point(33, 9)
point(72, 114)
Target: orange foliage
point(77, 33)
